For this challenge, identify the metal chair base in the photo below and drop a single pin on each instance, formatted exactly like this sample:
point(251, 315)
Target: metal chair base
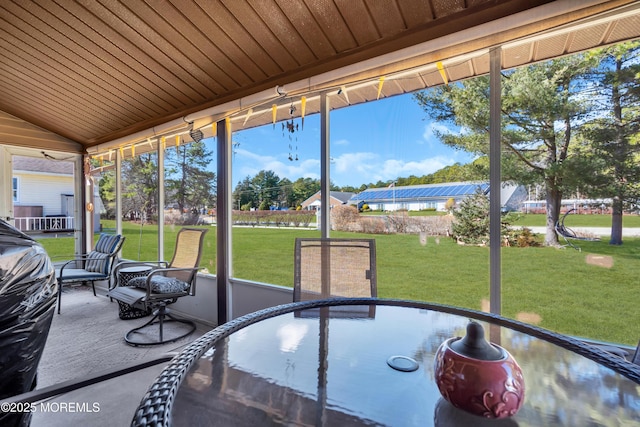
point(161, 316)
point(60, 284)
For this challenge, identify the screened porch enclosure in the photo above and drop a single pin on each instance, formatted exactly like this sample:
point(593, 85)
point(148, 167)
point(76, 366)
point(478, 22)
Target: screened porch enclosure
point(526, 33)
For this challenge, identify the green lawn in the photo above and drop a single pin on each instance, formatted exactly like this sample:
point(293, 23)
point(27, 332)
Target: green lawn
point(578, 220)
point(540, 220)
point(569, 294)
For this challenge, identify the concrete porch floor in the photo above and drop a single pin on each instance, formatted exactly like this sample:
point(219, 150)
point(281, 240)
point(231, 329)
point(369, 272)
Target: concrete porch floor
point(85, 339)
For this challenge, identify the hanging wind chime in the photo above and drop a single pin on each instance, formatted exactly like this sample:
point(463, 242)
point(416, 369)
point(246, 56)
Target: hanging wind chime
point(291, 127)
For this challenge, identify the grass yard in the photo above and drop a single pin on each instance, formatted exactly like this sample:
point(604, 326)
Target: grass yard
point(578, 220)
point(540, 220)
point(568, 291)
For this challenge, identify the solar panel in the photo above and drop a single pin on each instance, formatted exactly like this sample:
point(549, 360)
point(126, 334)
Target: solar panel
point(462, 189)
point(455, 189)
point(440, 191)
point(435, 191)
point(428, 192)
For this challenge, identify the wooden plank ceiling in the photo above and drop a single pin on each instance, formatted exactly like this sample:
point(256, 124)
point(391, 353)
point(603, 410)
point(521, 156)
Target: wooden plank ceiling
point(93, 71)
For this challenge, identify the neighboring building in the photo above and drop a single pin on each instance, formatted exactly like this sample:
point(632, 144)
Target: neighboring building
point(42, 189)
point(336, 198)
point(581, 206)
point(434, 196)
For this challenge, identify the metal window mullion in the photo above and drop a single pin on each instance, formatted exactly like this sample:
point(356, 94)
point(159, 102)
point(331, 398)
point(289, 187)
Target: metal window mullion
point(495, 239)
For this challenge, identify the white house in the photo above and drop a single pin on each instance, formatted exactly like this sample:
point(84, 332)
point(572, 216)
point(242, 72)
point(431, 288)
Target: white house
point(336, 198)
point(42, 193)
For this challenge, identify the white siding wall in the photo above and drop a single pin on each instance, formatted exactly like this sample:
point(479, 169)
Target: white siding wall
point(43, 190)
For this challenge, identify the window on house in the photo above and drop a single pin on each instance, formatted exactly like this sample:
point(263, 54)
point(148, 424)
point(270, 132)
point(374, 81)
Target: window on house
point(15, 190)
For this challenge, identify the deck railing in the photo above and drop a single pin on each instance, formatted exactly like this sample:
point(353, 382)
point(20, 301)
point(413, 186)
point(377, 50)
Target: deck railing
point(51, 223)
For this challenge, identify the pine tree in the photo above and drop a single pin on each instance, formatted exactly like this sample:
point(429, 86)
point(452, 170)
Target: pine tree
point(471, 219)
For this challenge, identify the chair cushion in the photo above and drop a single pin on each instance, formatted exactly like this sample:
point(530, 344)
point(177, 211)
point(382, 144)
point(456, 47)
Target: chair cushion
point(97, 262)
point(107, 243)
point(98, 259)
point(160, 284)
point(78, 274)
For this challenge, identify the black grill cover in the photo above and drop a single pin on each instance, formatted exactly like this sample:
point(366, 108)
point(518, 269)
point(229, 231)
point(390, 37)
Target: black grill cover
point(27, 301)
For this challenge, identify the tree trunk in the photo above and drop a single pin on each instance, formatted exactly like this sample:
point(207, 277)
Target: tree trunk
point(620, 154)
point(554, 198)
point(616, 222)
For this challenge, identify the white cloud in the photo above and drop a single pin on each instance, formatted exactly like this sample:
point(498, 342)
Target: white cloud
point(398, 168)
point(340, 142)
point(253, 163)
point(430, 130)
point(365, 167)
point(346, 169)
point(355, 163)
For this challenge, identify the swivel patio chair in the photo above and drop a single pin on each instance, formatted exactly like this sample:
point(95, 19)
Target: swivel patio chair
point(327, 268)
point(164, 285)
point(92, 267)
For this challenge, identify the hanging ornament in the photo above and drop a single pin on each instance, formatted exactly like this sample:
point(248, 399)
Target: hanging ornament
point(133, 150)
point(380, 83)
point(274, 113)
point(303, 107)
point(443, 73)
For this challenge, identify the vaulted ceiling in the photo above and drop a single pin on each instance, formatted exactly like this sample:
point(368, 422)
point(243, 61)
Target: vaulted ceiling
point(94, 71)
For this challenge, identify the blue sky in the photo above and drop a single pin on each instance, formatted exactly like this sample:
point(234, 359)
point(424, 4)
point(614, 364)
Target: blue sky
point(380, 140)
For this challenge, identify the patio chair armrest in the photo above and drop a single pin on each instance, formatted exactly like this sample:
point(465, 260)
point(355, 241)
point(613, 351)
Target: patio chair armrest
point(125, 264)
point(76, 259)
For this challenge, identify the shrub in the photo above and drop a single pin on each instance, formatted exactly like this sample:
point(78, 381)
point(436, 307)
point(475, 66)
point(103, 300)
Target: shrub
point(450, 204)
point(399, 221)
point(471, 221)
point(520, 237)
point(344, 218)
point(439, 225)
point(372, 225)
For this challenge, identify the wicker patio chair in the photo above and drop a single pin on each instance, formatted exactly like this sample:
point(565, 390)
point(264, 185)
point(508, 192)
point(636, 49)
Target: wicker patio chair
point(326, 268)
point(92, 267)
point(164, 285)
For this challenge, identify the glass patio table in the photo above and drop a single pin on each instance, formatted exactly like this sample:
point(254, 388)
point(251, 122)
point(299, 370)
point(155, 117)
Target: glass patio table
point(328, 363)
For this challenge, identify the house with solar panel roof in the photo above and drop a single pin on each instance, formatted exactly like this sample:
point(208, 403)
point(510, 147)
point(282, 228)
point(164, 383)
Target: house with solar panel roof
point(434, 196)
